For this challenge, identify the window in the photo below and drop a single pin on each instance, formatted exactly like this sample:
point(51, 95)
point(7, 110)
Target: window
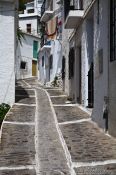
point(100, 56)
point(23, 65)
point(42, 61)
point(51, 61)
point(29, 28)
point(71, 63)
point(31, 11)
point(98, 11)
point(80, 4)
point(63, 68)
point(112, 30)
point(35, 49)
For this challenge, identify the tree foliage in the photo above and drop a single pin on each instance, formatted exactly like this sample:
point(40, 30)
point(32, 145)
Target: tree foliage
point(22, 4)
point(20, 35)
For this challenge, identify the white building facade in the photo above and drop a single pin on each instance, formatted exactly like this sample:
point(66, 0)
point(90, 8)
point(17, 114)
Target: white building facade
point(50, 55)
point(7, 50)
point(27, 55)
point(27, 52)
point(89, 62)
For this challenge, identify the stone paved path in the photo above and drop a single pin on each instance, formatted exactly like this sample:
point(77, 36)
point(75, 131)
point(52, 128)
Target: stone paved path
point(30, 143)
point(36, 140)
point(92, 152)
point(17, 148)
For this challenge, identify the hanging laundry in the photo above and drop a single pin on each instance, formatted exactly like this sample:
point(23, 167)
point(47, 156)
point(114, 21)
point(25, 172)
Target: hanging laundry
point(51, 28)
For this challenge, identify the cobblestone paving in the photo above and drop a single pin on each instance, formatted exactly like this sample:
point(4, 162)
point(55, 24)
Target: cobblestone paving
point(86, 143)
point(32, 81)
point(24, 92)
point(98, 170)
point(55, 92)
point(69, 113)
point(59, 100)
point(20, 84)
point(18, 172)
point(21, 114)
point(25, 100)
point(17, 148)
point(51, 155)
point(17, 145)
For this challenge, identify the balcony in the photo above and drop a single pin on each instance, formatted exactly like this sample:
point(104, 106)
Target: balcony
point(46, 46)
point(45, 13)
point(73, 14)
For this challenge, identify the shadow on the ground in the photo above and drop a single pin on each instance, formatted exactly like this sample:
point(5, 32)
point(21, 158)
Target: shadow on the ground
point(20, 94)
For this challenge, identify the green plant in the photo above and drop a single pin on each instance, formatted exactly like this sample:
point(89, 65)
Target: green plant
point(69, 98)
point(4, 108)
point(20, 35)
point(55, 81)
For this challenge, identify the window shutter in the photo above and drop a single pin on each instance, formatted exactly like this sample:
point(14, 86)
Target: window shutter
point(35, 49)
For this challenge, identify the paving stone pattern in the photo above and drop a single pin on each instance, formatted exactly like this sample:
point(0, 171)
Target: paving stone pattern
point(59, 100)
point(25, 100)
point(21, 84)
point(21, 114)
point(24, 92)
point(69, 113)
point(98, 170)
point(55, 92)
point(51, 154)
point(18, 172)
point(86, 143)
point(17, 146)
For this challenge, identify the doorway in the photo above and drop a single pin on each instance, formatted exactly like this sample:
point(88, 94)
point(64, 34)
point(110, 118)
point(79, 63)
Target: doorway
point(34, 68)
point(91, 87)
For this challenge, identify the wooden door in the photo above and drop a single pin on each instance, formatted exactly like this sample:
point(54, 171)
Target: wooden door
point(34, 68)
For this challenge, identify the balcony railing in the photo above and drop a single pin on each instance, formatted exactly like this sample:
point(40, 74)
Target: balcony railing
point(72, 5)
point(46, 11)
point(43, 8)
point(45, 44)
point(73, 13)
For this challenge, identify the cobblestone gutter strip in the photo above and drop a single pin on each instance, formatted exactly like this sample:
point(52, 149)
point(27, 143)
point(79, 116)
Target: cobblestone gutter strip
point(36, 138)
point(67, 154)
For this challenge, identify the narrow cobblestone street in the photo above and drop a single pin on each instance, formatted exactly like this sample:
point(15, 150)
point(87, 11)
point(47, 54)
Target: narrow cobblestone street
point(44, 135)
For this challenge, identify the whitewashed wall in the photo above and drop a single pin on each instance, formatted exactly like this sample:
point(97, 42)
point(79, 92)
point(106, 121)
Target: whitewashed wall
point(112, 93)
point(25, 53)
point(44, 70)
point(28, 20)
point(101, 31)
point(57, 59)
point(47, 74)
point(65, 52)
point(7, 53)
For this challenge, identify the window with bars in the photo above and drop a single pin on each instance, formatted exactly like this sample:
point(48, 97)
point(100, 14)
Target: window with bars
point(112, 30)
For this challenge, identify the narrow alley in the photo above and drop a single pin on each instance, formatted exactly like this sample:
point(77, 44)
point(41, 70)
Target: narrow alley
point(44, 135)
point(58, 87)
